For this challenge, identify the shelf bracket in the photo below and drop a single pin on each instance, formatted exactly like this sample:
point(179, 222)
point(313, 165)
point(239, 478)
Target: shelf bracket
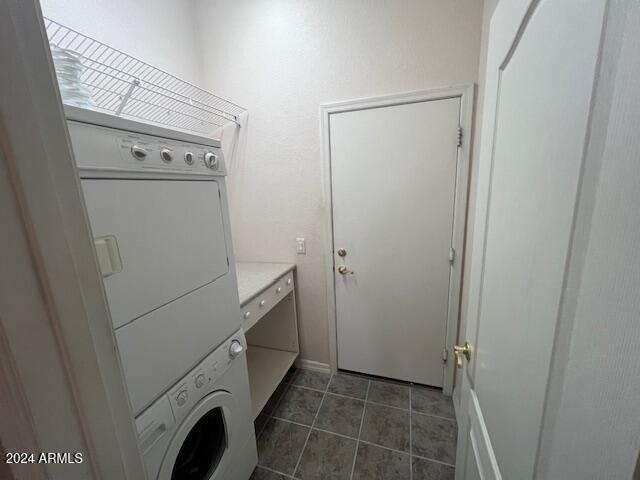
point(125, 98)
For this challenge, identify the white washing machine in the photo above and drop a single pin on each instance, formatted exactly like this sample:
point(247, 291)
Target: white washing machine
point(202, 428)
point(157, 204)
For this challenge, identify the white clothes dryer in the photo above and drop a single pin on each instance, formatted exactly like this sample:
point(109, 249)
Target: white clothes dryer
point(157, 204)
point(202, 428)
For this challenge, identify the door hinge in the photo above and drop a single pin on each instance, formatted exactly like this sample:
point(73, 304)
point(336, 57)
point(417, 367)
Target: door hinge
point(445, 355)
point(452, 254)
point(459, 136)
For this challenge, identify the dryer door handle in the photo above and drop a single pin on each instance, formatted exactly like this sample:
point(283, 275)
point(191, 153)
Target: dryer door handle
point(108, 253)
point(150, 435)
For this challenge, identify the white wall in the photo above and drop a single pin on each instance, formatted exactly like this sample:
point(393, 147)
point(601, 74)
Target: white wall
point(281, 59)
point(159, 32)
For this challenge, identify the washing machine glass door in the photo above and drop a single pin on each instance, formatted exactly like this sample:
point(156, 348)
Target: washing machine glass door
point(203, 448)
point(204, 443)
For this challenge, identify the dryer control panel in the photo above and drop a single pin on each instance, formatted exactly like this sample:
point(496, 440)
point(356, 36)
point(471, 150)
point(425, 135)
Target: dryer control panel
point(100, 148)
point(201, 380)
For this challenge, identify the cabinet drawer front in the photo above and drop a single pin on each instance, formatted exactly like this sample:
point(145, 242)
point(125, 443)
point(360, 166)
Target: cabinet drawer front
point(255, 309)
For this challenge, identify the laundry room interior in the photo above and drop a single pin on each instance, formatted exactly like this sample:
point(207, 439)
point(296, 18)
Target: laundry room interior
point(319, 240)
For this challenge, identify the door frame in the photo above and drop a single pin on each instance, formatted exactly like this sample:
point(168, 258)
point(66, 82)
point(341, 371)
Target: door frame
point(466, 95)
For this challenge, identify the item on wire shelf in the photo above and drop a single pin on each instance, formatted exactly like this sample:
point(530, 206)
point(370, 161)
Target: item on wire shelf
point(69, 71)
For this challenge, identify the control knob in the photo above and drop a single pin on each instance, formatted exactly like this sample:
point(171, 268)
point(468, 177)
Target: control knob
point(211, 160)
point(235, 349)
point(181, 398)
point(166, 156)
point(138, 153)
point(200, 380)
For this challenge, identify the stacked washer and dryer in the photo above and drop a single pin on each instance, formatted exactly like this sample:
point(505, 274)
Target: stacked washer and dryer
point(157, 205)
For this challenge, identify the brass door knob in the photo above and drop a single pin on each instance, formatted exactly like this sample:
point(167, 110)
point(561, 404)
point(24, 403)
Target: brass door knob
point(460, 351)
point(342, 269)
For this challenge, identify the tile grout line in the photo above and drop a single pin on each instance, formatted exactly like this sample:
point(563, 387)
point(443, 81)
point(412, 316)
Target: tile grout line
point(275, 471)
point(375, 403)
point(405, 453)
point(295, 470)
point(330, 393)
point(435, 416)
point(269, 416)
point(433, 460)
point(315, 428)
point(275, 407)
point(355, 455)
point(360, 441)
point(407, 410)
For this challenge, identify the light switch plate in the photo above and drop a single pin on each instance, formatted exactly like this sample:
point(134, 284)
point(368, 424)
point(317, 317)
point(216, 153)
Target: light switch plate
point(301, 246)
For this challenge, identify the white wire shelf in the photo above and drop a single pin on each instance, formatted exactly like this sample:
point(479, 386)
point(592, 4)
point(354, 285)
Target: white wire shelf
point(125, 86)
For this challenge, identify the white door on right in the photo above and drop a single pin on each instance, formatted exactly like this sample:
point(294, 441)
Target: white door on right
point(541, 66)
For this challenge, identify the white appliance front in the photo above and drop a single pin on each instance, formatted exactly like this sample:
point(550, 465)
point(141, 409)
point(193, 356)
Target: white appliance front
point(163, 345)
point(173, 298)
point(202, 428)
point(170, 303)
point(170, 236)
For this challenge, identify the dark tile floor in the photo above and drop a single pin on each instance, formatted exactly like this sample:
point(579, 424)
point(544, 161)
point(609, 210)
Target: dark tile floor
point(317, 426)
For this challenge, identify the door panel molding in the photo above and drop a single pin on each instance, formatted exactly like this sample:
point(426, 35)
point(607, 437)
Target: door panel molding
point(481, 443)
point(466, 95)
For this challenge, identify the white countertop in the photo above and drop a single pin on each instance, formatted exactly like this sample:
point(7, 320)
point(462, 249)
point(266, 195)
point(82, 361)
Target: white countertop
point(254, 277)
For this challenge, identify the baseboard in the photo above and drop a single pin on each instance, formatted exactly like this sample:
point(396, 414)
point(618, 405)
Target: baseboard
point(313, 365)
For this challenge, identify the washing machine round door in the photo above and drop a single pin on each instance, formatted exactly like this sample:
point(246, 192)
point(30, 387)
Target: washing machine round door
point(204, 443)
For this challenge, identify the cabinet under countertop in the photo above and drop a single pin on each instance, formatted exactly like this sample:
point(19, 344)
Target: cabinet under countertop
point(267, 301)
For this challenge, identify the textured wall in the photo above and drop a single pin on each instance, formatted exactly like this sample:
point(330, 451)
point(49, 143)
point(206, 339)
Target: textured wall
point(160, 32)
point(283, 58)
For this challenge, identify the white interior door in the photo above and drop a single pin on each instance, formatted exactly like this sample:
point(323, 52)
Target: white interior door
point(393, 177)
point(540, 73)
